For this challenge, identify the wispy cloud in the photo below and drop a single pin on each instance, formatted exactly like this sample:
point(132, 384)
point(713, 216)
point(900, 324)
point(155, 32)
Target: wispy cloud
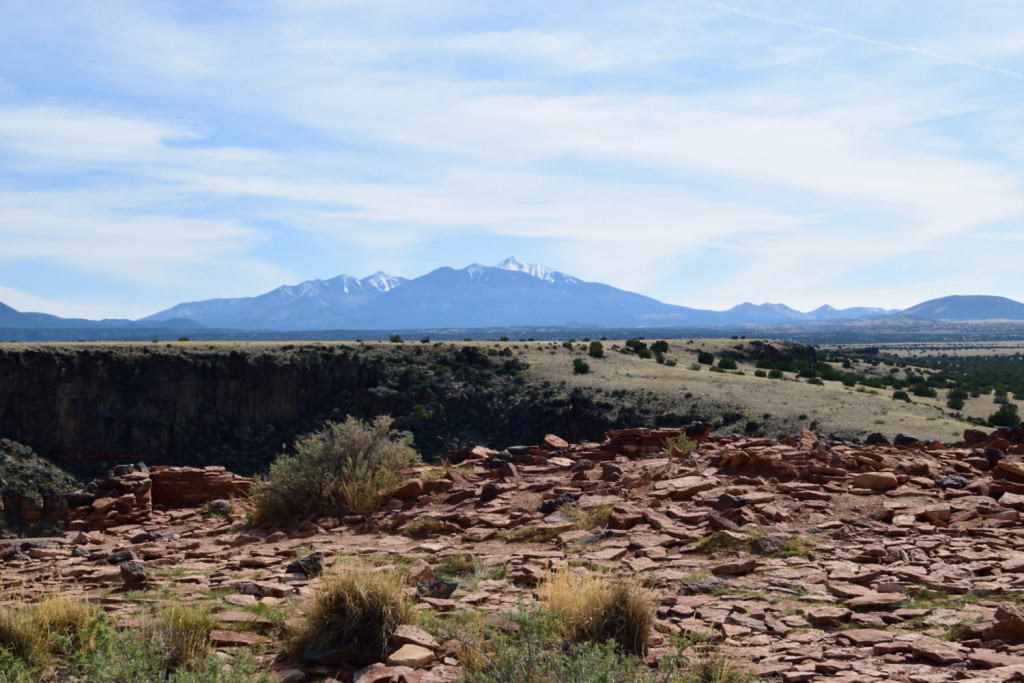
point(846, 35)
point(205, 151)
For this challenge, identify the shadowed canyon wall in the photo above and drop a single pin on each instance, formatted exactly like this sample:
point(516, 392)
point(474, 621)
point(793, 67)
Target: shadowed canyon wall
point(86, 406)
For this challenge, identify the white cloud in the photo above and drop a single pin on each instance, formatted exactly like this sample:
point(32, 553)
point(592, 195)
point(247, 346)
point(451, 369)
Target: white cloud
point(30, 303)
point(632, 135)
point(81, 234)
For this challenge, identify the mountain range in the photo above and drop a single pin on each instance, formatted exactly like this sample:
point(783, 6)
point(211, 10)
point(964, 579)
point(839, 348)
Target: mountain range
point(510, 294)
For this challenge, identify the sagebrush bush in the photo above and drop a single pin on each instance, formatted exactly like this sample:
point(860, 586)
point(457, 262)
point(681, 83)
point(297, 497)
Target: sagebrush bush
point(595, 608)
point(340, 469)
point(355, 604)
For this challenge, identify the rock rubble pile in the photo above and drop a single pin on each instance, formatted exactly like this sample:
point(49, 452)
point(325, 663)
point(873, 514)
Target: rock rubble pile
point(807, 559)
point(129, 494)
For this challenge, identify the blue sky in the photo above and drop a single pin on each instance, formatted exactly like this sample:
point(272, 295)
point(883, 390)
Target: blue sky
point(704, 153)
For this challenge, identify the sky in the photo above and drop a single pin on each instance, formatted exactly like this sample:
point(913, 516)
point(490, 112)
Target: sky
point(851, 153)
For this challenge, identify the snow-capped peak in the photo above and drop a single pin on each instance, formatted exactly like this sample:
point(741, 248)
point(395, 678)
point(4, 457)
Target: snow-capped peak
point(382, 282)
point(539, 272)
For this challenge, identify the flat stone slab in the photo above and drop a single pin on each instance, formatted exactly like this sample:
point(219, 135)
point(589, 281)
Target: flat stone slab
point(864, 637)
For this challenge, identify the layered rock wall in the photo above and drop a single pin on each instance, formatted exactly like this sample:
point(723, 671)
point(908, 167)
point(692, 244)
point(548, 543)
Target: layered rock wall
point(89, 406)
point(129, 494)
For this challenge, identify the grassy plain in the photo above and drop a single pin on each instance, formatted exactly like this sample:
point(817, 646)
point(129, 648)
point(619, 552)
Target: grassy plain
point(789, 403)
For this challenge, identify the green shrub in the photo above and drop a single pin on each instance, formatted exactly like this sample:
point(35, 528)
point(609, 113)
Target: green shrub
point(596, 349)
point(637, 346)
point(727, 363)
point(340, 469)
point(680, 445)
point(580, 366)
point(775, 373)
point(922, 389)
point(660, 346)
point(760, 373)
point(1006, 416)
point(900, 395)
point(705, 358)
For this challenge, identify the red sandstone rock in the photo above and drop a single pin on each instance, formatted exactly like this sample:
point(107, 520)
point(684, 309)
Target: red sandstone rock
point(410, 489)
point(555, 442)
point(876, 481)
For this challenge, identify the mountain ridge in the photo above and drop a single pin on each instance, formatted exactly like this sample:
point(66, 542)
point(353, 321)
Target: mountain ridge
point(512, 293)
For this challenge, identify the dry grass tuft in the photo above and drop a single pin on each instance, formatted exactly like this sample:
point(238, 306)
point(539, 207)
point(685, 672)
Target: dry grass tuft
point(424, 526)
point(459, 564)
point(180, 635)
point(31, 631)
point(595, 608)
point(713, 665)
point(587, 518)
point(357, 605)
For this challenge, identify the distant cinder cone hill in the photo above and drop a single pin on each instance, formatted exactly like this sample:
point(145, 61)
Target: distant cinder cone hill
point(967, 308)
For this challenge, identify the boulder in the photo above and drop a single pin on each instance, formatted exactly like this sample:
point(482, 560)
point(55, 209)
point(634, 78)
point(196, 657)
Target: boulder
point(411, 655)
point(876, 481)
point(133, 573)
point(410, 489)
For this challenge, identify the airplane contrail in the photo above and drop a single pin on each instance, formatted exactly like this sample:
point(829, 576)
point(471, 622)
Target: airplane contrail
point(861, 39)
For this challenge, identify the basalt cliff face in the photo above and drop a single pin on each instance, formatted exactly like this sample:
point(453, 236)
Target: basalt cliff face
point(87, 407)
point(76, 405)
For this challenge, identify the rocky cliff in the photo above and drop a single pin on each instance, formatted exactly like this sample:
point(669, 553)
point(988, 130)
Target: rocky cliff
point(87, 406)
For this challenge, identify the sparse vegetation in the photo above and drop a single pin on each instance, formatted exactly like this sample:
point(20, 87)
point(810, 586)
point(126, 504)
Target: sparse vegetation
point(424, 526)
point(588, 518)
point(534, 650)
point(595, 608)
point(34, 632)
point(580, 366)
point(679, 445)
point(355, 604)
point(340, 469)
point(63, 639)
